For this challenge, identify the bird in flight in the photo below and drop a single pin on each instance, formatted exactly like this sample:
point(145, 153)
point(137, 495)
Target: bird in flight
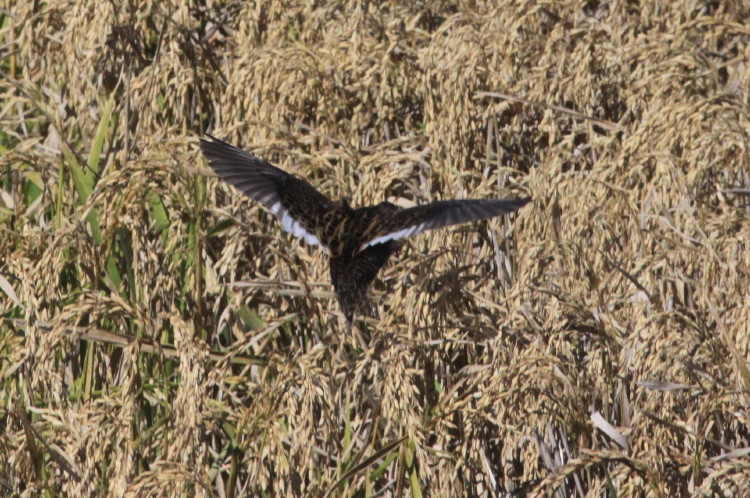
point(359, 241)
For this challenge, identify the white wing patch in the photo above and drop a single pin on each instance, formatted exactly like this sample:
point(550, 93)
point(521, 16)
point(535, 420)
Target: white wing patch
point(276, 208)
point(396, 235)
point(290, 225)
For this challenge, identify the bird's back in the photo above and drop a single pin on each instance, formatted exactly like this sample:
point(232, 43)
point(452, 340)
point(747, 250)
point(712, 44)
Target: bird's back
point(345, 231)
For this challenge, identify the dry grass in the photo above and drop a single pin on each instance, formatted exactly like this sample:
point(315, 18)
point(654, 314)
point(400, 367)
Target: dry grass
point(160, 336)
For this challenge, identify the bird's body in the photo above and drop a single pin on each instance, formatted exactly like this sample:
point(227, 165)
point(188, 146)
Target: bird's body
point(359, 241)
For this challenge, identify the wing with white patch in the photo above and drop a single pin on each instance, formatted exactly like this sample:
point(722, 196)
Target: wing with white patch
point(411, 221)
point(297, 204)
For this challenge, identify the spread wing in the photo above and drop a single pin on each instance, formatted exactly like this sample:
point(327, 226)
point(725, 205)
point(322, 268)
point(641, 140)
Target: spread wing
point(297, 204)
point(411, 221)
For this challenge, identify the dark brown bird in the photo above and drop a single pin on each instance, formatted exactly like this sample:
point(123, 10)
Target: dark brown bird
point(358, 241)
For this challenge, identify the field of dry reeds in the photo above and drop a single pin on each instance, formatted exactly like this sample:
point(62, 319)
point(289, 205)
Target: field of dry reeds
point(161, 336)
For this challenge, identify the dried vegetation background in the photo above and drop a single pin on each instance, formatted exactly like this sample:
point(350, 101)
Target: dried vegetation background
point(160, 336)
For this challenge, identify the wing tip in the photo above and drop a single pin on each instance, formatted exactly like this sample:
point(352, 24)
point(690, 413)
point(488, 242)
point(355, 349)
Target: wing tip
point(209, 142)
point(221, 154)
point(514, 204)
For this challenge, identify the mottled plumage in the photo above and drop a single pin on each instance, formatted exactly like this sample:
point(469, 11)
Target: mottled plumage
point(358, 241)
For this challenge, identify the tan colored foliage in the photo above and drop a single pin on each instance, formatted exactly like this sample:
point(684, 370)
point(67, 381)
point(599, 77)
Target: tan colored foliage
point(161, 336)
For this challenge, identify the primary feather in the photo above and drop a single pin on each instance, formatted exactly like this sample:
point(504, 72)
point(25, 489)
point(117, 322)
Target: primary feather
point(359, 241)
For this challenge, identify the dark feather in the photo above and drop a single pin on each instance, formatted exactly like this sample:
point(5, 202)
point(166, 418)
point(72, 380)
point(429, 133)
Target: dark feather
point(411, 221)
point(297, 204)
point(359, 241)
point(352, 276)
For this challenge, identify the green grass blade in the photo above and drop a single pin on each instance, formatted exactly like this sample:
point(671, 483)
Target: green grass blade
point(101, 134)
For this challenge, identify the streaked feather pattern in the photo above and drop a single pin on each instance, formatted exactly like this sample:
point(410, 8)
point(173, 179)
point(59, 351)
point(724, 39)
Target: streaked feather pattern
point(359, 241)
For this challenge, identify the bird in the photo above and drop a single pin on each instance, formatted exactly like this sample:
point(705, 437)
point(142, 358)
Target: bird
point(359, 241)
